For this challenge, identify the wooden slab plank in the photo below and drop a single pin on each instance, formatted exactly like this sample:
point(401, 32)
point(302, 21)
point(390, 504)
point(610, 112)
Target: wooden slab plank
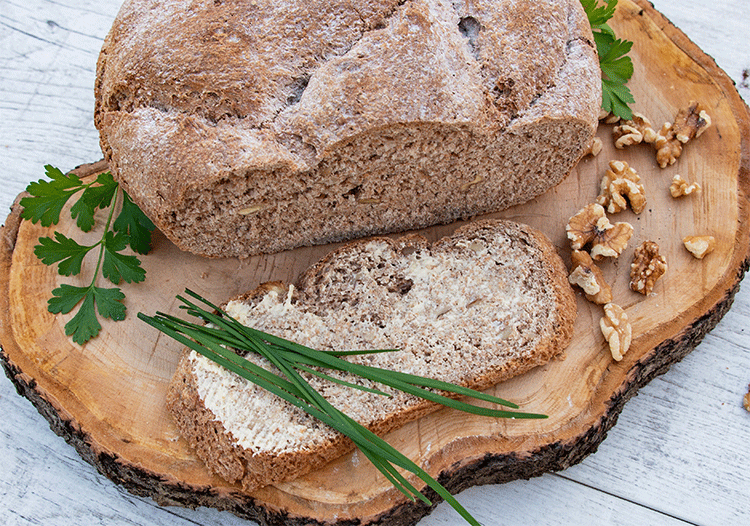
point(286, 269)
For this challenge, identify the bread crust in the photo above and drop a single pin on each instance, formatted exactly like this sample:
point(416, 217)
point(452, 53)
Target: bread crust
point(222, 452)
point(238, 133)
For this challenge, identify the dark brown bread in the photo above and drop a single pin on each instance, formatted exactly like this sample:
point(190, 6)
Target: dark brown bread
point(252, 127)
point(488, 303)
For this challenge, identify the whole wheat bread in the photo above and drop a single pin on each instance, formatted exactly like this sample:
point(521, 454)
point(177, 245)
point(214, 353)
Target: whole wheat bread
point(251, 127)
point(488, 303)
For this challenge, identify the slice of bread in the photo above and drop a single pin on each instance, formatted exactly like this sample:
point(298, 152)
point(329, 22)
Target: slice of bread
point(488, 303)
point(242, 128)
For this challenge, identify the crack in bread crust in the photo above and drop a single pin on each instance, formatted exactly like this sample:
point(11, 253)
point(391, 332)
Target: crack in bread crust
point(212, 29)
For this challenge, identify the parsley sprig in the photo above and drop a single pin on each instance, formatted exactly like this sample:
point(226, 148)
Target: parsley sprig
point(617, 68)
point(226, 341)
point(127, 228)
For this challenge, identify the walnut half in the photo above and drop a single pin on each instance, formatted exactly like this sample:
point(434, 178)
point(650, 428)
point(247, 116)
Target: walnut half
point(689, 123)
point(621, 185)
point(589, 278)
point(616, 330)
point(647, 267)
point(590, 226)
point(635, 131)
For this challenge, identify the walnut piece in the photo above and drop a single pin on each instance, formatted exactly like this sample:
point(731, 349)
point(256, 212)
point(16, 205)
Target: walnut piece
point(680, 187)
point(668, 149)
point(638, 129)
point(616, 330)
point(699, 246)
point(647, 266)
point(590, 226)
point(608, 117)
point(595, 147)
point(581, 228)
point(746, 399)
point(689, 123)
point(612, 241)
point(589, 277)
point(466, 186)
point(621, 184)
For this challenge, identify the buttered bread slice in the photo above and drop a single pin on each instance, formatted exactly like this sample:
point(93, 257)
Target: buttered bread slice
point(488, 303)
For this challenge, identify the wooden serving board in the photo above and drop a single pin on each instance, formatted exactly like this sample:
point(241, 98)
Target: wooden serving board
point(107, 397)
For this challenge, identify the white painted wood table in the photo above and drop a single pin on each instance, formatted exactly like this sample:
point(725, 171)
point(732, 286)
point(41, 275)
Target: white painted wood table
point(680, 453)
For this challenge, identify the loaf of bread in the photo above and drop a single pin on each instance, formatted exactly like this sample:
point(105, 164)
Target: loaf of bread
point(488, 303)
point(245, 127)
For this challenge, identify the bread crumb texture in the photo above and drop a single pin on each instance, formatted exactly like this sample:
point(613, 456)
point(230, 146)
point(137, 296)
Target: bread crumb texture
point(251, 127)
point(486, 304)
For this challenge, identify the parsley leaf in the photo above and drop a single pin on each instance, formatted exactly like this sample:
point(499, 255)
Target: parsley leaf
point(85, 325)
point(109, 303)
point(616, 67)
point(616, 70)
point(133, 222)
point(117, 267)
point(94, 197)
point(65, 298)
point(49, 197)
point(599, 15)
point(615, 99)
point(64, 250)
point(130, 228)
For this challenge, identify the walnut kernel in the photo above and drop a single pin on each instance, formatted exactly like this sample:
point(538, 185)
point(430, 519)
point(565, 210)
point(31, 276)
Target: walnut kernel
point(680, 187)
point(612, 241)
point(621, 185)
point(668, 149)
point(626, 135)
point(638, 129)
point(608, 117)
point(647, 267)
point(699, 246)
point(590, 226)
point(595, 147)
point(581, 228)
point(689, 123)
point(616, 330)
point(589, 277)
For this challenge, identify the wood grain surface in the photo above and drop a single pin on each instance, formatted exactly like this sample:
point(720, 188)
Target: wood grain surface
point(710, 169)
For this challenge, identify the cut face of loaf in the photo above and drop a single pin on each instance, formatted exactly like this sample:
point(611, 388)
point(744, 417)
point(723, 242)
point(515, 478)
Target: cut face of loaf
point(251, 127)
point(486, 304)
